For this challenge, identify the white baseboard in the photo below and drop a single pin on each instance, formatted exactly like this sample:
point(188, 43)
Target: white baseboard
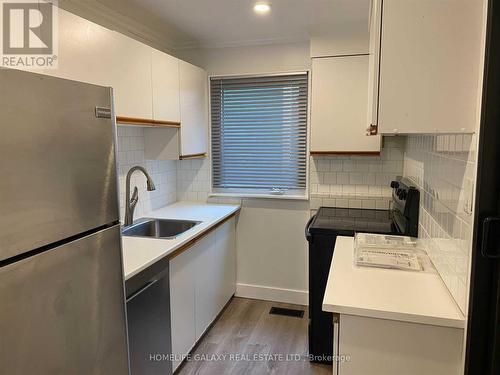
point(298, 297)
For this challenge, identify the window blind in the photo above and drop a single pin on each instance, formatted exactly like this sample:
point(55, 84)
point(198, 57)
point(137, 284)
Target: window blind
point(259, 133)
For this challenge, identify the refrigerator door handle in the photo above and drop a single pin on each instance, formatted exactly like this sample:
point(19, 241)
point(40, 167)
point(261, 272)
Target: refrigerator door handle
point(490, 247)
point(336, 338)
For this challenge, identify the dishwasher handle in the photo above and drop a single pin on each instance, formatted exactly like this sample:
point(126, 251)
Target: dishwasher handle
point(135, 294)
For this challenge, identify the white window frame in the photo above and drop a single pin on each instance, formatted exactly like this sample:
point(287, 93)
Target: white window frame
point(302, 194)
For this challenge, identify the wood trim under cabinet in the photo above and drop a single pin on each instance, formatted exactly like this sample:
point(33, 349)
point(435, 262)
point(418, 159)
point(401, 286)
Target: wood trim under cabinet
point(122, 120)
point(344, 153)
point(193, 156)
point(189, 244)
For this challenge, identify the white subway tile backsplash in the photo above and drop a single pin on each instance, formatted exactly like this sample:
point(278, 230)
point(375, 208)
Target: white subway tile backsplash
point(329, 202)
point(369, 178)
point(324, 189)
point(382, 204)
point(348, 165)
point(369, 204)
point(361, 190)
point(374, 191)
point(335, 165)
point(355, 203)
point(193, 179)
point(330, 178)
point(355, 178)
point(440, 165)
point(342, 203)
point(342, 178)
point(130, 152)
point(323, 165)
point(357, 181)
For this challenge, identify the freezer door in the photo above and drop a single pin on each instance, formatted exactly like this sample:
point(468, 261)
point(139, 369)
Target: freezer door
point(57, 161)
point(63, 310)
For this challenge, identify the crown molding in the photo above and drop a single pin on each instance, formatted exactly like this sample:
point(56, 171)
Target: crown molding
point(95, 11)
point(243, 43)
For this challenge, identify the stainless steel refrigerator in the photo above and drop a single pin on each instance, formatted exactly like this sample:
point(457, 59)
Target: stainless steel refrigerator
point(62, 308)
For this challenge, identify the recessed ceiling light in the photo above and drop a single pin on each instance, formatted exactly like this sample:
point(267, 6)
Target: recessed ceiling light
point(262, 8)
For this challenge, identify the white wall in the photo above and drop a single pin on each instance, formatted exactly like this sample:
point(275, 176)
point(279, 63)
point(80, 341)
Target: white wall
point(250, 59)
point(340, 43)
point(272, 250)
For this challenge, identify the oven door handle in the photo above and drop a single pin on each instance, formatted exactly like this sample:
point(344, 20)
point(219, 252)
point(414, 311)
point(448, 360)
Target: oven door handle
point(308, 235)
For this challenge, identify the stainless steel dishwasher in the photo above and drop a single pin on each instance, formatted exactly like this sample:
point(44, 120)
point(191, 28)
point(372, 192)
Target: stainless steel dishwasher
point(148, 317)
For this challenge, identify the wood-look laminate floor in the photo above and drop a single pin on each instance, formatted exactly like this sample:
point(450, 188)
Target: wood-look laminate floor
point(248, 340)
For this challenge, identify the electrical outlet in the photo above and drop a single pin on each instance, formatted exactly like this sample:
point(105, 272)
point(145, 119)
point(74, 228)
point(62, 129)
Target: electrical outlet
point(469, 196)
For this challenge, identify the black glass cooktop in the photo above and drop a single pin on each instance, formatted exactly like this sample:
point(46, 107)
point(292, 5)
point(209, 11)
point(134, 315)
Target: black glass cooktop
point(350, 220)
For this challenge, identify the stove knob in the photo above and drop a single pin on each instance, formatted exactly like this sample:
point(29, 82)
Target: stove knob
point(398, 193)
point(394, 184)
point(403, 195)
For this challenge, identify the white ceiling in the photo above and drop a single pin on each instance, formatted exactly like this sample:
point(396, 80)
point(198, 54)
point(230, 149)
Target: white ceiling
point(224, 23)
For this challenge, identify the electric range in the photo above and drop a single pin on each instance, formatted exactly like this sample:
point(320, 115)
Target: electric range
point(322, 231)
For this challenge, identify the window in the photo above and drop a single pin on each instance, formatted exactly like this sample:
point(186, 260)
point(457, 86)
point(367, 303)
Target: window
point(259, 134)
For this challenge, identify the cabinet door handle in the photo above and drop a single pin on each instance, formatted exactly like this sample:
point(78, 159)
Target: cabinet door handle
point(336, 349)
point(372, 130)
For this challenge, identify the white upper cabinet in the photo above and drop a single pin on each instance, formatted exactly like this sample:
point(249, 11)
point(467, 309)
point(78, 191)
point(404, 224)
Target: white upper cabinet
point(165, 75)
point(339, 106)
point(373, 66)
point(91, 53)
point(430, 57)
point(150, 87)
point(85, 50)
point(194, 110)
point(131, 78)
point(190, 141)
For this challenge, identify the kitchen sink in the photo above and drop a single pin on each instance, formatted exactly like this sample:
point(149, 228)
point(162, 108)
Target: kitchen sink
point(158, 228)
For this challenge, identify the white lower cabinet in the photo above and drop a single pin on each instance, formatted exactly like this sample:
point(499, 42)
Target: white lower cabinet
point(225, 276)
point(205, 289)
point(202, 280)
point(373, 346)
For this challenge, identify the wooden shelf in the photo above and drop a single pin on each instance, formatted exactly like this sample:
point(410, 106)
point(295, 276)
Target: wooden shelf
point(120, 120)
point(193, 156)
point(344, 153)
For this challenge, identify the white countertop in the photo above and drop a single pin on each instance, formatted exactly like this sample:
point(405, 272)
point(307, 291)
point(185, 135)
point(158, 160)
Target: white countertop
point(417, 297)
point(140, 252)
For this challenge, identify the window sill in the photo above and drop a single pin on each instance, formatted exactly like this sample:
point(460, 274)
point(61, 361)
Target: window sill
point(304, 197)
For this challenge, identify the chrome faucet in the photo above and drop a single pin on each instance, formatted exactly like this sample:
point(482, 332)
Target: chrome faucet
point(131, 203)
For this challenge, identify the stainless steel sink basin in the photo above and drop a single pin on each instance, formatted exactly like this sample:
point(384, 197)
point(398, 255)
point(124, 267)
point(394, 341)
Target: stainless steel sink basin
point(158, 228)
